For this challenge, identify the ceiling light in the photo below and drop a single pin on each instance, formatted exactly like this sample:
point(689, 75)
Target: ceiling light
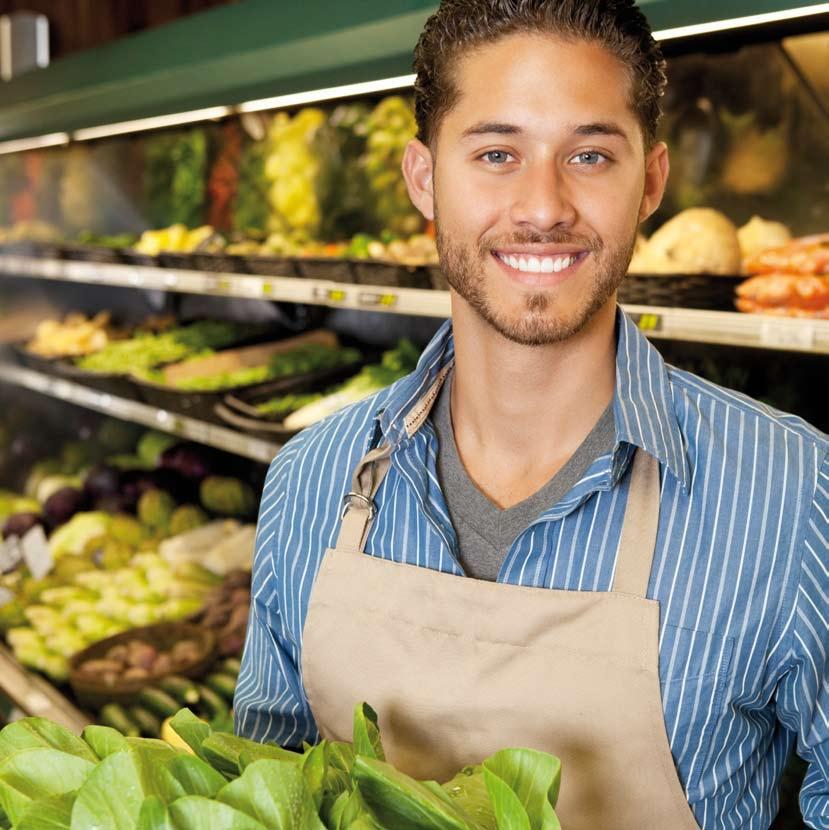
point(20, 145)
point(740, 22)
point(329, 93)
point(155, 122)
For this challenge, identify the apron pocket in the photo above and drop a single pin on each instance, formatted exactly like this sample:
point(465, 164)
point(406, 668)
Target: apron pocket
point(694, 669)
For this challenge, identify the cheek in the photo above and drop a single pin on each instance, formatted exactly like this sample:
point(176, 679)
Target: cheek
point(466, 204)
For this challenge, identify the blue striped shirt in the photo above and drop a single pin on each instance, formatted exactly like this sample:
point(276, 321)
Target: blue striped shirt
point(741, 569)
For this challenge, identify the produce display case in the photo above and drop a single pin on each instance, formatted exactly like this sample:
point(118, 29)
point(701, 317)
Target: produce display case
point(325, 96)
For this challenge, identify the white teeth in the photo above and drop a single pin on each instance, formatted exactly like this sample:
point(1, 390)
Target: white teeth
point(538, 265)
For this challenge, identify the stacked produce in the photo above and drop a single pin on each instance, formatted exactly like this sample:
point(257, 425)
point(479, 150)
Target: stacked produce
point(205, 778)
point(73, 336)
point(224, 177)
point(298, 411)
point(390, 126)
point(179, 238)
point(297, 178)
point(175, 177)
point(791, 280)
point(304, 359)
point(106, 524)
point(250, 208)
point(209, 697)
point(146, 351)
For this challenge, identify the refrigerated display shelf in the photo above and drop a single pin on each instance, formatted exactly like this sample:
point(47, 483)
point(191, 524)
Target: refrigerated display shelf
point(35, 696)
point(694, 325)
point(140, 413)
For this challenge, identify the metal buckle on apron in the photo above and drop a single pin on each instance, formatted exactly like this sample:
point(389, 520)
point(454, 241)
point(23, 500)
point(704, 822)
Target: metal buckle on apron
point(368, 503)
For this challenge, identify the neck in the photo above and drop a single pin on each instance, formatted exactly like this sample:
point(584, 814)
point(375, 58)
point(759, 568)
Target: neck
point(520, 412)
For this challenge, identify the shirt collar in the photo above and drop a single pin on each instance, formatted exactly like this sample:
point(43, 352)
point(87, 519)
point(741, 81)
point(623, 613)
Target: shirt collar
point(642, 408)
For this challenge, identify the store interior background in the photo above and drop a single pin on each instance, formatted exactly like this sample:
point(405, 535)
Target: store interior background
point(746, 120)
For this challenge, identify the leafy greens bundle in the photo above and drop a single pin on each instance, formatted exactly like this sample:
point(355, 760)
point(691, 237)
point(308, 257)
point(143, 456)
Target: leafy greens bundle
point(53, 780)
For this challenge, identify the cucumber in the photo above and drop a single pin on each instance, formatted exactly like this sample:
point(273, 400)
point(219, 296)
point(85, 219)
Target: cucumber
point(158, 702)
point(213, 703)
point(183, 690)
point(231, 665)
point(115, 716)
point(222, 684)
point(150, 724)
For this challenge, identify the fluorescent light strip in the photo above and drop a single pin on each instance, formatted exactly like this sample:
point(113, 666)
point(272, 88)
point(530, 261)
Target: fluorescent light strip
point(332, 92)
point(741, 22)
point(37, 142)
point(153, 123)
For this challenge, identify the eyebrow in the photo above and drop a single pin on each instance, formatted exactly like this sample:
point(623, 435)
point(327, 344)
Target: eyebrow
point(607, 128)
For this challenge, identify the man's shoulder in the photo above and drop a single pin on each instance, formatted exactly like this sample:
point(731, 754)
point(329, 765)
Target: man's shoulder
point(714, 402)
point(337, 441)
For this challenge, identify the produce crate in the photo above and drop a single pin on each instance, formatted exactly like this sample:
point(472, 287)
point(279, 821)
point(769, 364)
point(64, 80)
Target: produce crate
point(325, 268)
point(202, 404)
point(111, 383)
point(238, 408)
point(390, 274)
point(92, 692)
point(219, 262)
point(704, 291)
point(269, 266)
point(132, 257)
point(437, 278)
point(38, 363)
point(91, 253)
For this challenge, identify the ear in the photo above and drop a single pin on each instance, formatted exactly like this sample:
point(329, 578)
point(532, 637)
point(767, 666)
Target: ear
point(657, 167)
point(418, 170)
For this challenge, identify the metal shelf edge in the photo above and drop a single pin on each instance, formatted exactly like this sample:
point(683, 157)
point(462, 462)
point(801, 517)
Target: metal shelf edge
point(716, 327)
point(190, 428)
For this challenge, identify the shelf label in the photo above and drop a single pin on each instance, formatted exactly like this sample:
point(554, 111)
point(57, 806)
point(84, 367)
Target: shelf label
point(10, 555)
point(328, 295)
point(36, 552)
point(648, 322)
point(373, 299)
point(267, 289)
point(787, 335)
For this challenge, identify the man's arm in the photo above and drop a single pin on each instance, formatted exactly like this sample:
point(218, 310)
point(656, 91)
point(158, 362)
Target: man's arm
point(270, 704)
point(803, 693)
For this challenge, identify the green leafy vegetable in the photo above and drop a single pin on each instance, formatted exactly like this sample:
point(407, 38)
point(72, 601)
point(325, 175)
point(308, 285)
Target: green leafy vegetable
point(51, 780)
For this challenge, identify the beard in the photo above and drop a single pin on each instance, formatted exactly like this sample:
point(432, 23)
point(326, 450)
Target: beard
point(539, 323)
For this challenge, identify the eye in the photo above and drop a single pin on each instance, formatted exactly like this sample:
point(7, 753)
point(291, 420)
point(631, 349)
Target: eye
point(591, 158)
point(496, 157)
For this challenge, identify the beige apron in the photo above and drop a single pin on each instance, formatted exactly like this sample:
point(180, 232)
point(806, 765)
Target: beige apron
point(459, 668)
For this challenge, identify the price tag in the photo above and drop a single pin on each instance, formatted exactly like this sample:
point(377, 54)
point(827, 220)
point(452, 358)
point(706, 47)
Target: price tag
point(648, 322)
point(10, 554)
point(36, 552)
point(6, 596)
point(267, 289)
point(329, 295)
point(375, 298)
point(779, 334)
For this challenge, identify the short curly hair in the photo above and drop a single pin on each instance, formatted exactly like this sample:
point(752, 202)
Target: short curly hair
point(461, 25)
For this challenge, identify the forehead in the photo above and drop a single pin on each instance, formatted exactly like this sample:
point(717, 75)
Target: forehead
point(528, 78)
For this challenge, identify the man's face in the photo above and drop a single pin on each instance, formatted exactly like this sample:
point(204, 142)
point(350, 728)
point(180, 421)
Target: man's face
point(537, 183)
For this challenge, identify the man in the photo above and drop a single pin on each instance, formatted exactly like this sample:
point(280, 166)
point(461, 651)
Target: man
point(551, 538)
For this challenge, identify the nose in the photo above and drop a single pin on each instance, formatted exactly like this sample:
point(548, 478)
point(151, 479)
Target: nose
point(542, 199)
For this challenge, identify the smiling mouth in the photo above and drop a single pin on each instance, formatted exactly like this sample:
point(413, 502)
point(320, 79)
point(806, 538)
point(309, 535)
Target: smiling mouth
point(531, 264)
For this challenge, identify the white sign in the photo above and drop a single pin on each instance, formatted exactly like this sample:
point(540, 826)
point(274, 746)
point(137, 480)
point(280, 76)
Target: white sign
point(36, 552)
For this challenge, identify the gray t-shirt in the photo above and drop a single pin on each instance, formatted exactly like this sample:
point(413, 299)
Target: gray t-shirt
point(485, 531)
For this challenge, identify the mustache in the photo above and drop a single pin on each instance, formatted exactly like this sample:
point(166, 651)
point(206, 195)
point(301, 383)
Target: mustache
point(592, 244)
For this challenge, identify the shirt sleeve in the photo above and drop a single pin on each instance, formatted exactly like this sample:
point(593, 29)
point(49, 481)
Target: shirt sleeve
point(803, 692)
point(270, 703)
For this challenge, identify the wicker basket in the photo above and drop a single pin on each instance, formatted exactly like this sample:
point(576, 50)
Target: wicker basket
point(704, 291)
point(92, 692)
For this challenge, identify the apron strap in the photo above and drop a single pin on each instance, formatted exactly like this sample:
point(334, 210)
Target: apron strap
point(637, 543)
point(358, 505)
